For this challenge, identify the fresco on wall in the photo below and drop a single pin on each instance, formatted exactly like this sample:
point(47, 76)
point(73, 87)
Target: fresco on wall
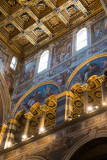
point(24, 87)
point(27, 72)
point(98, 47)
point(60, 68)
point(61, 53)
point(9, 78)
point(40, 94)
point(95, 67)
point(99, 29)
point(3, 60)
point(62, 77)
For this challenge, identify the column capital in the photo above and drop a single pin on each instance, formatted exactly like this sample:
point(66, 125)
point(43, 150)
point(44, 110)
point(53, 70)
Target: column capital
point(10, 121)
point(16, 122)
point(29, 115)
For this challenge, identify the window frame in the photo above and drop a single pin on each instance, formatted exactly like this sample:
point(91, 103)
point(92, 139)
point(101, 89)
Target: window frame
point(45, 53)
point(14, 64)
point(78, 42)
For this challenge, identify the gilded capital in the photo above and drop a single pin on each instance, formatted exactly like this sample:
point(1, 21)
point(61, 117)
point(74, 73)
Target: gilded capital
point(29, 115)
point(16, 122)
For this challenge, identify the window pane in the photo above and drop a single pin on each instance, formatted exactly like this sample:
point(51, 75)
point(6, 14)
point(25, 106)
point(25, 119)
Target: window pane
point(83, 44)
point(81, 39)
point(43, 61)
point(12, 65)
point(14, 60)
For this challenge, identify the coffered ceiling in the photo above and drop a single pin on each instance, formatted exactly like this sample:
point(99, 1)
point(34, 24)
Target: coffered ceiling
point(28, 25)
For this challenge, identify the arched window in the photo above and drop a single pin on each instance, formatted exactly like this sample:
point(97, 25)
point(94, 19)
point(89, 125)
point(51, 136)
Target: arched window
point(82, 39)
point(13, 63)
point(43, 63)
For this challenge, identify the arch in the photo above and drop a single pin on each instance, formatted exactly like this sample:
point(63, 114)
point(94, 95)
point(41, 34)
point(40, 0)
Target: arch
point(86, 62)
point(81, 38)
point(43, 63)
point(5, 98)
point(83, 141)
point(33, 89)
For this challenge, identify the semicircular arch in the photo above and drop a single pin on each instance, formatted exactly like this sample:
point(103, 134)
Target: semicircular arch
point(51, 83)
point(75, 76)
point(82, 142)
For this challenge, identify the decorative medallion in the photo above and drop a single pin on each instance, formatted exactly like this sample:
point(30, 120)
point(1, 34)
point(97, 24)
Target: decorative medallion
point(25, 17)
point(38, 31)
point(98, 94)
point(54, 21)
point(72, 9)
point(78, 104)
point(41, 5)
point(90, 99)
point(50, 116)
point(10, 27)
point(33, 124)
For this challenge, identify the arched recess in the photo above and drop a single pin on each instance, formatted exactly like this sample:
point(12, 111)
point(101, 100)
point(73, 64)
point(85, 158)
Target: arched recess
point(94, 65)
point(83, 142)
point(5, 98)
point(49, 86)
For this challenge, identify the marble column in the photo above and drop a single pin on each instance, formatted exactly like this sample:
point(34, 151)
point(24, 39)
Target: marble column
point(42, 123)
point(8, 133)
point(28, 116)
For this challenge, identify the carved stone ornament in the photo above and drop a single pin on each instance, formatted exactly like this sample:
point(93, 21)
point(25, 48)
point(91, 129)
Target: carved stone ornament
point(25, 17)
point(37, 31)
point(41, 6)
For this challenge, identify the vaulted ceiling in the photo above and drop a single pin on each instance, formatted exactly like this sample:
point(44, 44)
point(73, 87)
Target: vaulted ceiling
point(28, 25)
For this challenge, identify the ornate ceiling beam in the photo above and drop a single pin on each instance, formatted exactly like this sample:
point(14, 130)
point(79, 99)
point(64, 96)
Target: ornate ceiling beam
point(45, 29)
point(62, 18)
point(57, 11)
point(31, 37)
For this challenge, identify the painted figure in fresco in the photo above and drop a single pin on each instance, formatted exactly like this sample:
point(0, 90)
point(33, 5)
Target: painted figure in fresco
point(57, 143)
point(98, 30)
point(31, 101)
point(27, 72)
point(104, 64)
point(68, 50)
point(79, 77)
point(61, 53)
point(61, 79)
point(91, 69)
point(48, 91)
